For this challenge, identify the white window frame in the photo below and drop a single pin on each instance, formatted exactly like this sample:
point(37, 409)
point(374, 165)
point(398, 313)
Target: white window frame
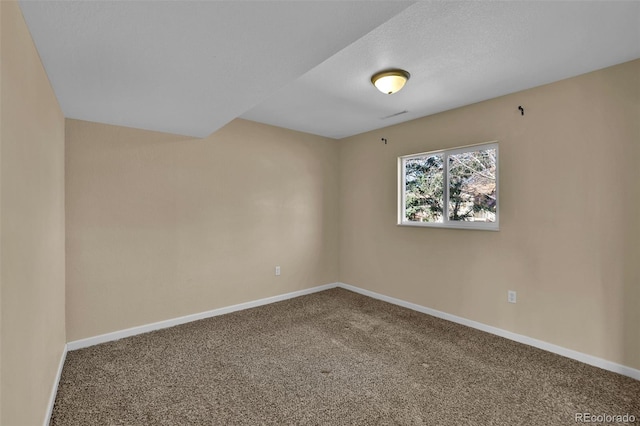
point(446, 223)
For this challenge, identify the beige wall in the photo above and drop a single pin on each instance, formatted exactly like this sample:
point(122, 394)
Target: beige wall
point(32, 227)
point(160, 226)
point(1, 60)
point(570, 202)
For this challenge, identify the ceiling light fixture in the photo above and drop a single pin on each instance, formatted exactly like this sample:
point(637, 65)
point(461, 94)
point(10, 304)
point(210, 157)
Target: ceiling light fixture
point(391, 81)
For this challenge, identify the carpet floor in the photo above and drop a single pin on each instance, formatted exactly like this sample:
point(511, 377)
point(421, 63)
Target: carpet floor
point(331, 358)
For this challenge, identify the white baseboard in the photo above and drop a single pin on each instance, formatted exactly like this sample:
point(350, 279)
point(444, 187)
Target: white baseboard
point(549, 347)
point(116, 335)
point(54, 389)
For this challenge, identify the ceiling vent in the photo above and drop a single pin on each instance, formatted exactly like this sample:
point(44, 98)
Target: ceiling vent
point(395, 115)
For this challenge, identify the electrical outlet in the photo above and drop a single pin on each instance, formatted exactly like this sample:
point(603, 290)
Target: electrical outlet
point(277, 270)
point(511, 296)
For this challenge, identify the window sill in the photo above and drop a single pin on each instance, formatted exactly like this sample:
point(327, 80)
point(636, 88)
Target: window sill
point(472, 226)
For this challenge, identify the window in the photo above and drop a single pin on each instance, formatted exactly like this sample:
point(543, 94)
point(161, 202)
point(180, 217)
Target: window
point(453, 188)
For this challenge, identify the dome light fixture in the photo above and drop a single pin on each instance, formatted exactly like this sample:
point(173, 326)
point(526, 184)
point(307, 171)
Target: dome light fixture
point(391, 81)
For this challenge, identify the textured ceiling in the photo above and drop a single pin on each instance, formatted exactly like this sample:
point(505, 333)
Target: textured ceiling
point(458, 53)
point(186, 67)
point(190, 67)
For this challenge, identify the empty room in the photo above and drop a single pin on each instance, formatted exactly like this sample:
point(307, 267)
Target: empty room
point(319, 212)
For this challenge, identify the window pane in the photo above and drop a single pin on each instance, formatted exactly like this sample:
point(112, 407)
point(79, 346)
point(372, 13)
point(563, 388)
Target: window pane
point(472, 186)
point(424, 188)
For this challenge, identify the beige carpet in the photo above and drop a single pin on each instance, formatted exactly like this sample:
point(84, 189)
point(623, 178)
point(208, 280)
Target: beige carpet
point(334, 358)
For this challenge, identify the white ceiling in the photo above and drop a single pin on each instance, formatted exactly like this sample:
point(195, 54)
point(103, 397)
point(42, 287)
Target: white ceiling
point(190, 67)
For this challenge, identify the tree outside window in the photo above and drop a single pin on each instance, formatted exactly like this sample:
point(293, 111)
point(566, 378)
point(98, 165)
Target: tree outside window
point(468, 183)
